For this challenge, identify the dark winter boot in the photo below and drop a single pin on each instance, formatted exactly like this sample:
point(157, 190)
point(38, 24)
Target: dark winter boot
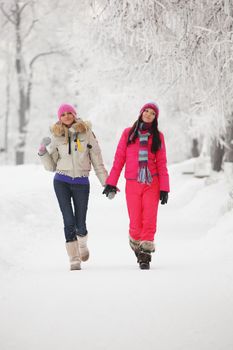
point(144, 260)
point(144, 256)
point(134, 246)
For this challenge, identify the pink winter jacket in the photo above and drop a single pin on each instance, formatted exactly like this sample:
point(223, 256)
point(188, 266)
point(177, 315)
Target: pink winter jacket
point(128, 156)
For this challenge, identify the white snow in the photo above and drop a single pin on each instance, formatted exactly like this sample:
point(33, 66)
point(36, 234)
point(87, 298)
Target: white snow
point(184, 302)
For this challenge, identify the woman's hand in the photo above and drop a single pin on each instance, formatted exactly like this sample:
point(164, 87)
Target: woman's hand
point(163, 197)
point(44, 142)
point(110, 191)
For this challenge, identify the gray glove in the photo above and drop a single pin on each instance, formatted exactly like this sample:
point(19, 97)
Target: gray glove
point(111, 195)
point(44, 142)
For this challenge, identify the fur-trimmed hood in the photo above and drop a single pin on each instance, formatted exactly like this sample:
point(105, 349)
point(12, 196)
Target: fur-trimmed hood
point(59, 129)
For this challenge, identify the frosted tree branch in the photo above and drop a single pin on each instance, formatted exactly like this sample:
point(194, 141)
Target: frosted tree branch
point(160, 4)
point(35, 58)
point(30, 28)
point(6, 14)
point(24, 6)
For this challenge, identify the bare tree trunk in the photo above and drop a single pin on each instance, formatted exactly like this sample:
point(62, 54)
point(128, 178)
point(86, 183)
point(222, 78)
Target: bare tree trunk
point(195, 149)
point(22, 98)
point(7, 113)
point(22, 129)
point(7, 108)
point(217, 153)
point(229, 142)
point(228, 164)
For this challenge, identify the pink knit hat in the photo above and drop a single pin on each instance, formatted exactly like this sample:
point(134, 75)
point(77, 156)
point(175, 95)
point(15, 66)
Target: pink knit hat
point(65, 108)
point(151, 105)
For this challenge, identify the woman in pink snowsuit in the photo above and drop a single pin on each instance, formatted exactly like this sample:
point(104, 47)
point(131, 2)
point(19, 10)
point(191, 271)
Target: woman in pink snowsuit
point(142, 150)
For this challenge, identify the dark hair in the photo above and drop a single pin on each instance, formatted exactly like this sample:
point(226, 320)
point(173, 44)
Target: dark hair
point(133, 134)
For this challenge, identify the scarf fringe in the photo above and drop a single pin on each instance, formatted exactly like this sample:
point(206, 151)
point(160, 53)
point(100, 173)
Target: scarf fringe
point(144, 175)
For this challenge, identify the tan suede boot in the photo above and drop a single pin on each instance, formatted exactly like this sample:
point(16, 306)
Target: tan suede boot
point(83, 249)
point(74, 255)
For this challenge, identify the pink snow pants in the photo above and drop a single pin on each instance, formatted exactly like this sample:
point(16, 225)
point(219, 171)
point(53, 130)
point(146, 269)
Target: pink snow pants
point(142, 203)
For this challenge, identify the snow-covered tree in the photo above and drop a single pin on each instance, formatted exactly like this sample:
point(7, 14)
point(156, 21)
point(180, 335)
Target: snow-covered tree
point(20, 29)
point(186, 46)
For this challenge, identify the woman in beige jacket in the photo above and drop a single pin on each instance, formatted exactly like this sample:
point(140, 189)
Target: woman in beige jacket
point(70, 152)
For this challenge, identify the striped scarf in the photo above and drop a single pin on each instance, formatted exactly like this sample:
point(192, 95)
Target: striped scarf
point(144, 175)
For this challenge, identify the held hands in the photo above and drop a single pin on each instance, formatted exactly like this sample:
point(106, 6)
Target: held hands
point(163, 197)
point(110, 191)
point(44, 142)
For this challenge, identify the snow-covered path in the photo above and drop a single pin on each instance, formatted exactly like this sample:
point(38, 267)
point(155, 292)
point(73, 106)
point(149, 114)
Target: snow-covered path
point(184, 302)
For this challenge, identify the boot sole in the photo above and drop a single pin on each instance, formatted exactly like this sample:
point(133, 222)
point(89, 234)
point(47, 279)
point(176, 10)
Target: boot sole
point(144, 266)
point(75, 267)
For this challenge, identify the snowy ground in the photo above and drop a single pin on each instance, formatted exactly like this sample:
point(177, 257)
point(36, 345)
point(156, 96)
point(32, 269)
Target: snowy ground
point(184, 302)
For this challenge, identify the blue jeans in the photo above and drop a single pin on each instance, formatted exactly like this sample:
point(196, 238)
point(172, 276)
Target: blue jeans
point(73, 202)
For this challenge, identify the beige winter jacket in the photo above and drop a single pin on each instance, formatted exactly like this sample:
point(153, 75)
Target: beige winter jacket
point(84, 151)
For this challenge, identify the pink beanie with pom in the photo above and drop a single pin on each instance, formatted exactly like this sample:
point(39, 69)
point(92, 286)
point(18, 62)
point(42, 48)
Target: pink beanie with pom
point(65, 108)
point(151, 105)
